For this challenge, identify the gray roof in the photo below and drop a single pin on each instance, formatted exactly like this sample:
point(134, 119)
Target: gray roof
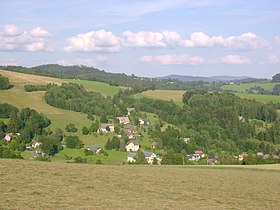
point(94, 148)
point(147, 153)
point(132, 155)
point(134, 142)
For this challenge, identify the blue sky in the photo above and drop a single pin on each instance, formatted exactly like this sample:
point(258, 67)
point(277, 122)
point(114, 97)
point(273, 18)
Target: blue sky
point(145, 38)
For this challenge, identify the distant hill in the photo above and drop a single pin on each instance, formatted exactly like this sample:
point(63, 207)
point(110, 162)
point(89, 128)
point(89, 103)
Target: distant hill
point(223, 78)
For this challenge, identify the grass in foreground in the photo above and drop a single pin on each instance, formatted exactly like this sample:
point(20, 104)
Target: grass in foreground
point(41, 185)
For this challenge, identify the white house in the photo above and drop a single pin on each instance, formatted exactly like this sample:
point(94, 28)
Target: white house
point(132, 146)
point(123, 120)
point(130, 157)
point(104, 126)
point(141, 121)
point(149, 156)
point(36, 144)
point(8, 137)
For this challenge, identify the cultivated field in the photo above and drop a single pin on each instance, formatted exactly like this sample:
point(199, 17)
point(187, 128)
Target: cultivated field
point(259, 97)
point(41, 185)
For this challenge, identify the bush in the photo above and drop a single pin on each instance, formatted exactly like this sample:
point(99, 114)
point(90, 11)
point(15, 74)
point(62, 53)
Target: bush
point(80, 160)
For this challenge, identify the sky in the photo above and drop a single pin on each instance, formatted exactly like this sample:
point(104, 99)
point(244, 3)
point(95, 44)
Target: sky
point(145, 37)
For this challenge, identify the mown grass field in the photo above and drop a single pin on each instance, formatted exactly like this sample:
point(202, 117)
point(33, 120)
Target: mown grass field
point(44, 185)
point(242, 87)
point(175, 95)
point(100, 87)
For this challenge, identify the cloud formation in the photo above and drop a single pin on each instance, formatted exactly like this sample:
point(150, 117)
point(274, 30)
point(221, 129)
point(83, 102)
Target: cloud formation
point(94, 41)
point(236, 59)
point(173, 59)
point(96, 61)
point(12, 38)
point(244, 41)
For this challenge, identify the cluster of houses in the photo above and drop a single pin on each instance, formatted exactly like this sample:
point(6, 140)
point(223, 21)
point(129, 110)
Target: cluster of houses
point(150, 157)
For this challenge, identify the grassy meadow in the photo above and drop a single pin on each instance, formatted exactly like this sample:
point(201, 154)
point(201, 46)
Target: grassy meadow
point(268, 86)
point(103, 88)
point(44, 185)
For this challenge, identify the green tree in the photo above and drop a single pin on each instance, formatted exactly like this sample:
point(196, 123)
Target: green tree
point(4, 83)
point(85, 131)
point(73, 142)
point(71, 128)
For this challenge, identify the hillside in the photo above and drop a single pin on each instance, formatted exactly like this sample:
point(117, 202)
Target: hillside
point(223, 78)
point(29, 184)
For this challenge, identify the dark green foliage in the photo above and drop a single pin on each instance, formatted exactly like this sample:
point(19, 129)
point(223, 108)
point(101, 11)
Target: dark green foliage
point(93, 127)
point(276, 78)
point(50, 146)
point(98, 161)
point(71, 128)
point(276, 90)
point(88, 152)
point(140, 158)
point(85, 131)
point(31, 88)
point(4, 83)
point(113, 144)
point(76, 98)
point(80, 160)
point(103, 119)
point(73, 142)
point(254, 160)
point(6, 110)
point(9, 153)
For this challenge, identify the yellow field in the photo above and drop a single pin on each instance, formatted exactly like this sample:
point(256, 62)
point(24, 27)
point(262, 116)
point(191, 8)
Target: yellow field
point(41, 185)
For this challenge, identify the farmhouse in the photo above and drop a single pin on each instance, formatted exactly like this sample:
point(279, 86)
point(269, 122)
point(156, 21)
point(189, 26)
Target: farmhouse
point(8, 137)
point(132, 146)
point(141, 121)
point(130, 157)
point(105, 128)
point(123, 120)
point(150, 156)
point(94, 149)
point(130, 110)
point(154, 145)
point(36, 144)
point(130, 130)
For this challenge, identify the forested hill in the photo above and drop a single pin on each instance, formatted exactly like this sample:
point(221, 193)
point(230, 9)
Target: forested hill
point(116, 79)
point(82, 72)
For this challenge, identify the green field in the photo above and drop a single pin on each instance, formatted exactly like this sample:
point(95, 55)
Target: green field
point(175, 95)
point(268, 86)
point(103, 88)
point(259, 97)
point(44, 185)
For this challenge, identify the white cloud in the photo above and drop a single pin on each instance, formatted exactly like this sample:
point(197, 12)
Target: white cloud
point(99, 60)
point(272, 59)
point(14, 39)
point(236, 59)
point(150, 39)
point(244, 41)
point(94, 41)
point(39, 32)
point(277, 39)
point(173, 59)
point(34, 46)
point(11, 30)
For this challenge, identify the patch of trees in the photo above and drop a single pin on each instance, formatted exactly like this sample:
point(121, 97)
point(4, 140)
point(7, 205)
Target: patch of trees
point(31, 88)
point(276, 78)
point(6, 110)
point(4, 83)
point(73, 142)
point(76, 98)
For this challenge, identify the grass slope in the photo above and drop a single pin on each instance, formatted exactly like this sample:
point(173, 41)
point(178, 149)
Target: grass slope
point(259, 97)
point(35, 100)
point(41, 185)
point(242, 87)
point(103, 88)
